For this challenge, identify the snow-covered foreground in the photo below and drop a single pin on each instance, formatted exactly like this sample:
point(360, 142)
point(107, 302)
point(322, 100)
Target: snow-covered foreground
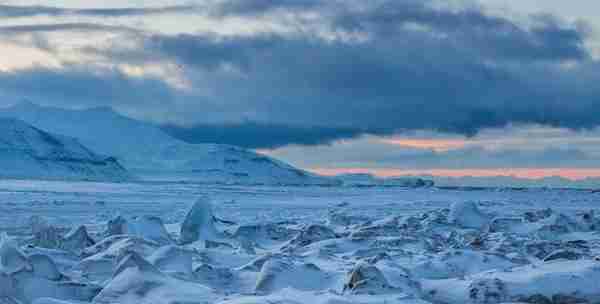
point(69, 242)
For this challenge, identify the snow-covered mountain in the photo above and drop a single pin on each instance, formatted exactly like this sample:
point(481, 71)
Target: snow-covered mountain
point(144, 148)
point(28, 152)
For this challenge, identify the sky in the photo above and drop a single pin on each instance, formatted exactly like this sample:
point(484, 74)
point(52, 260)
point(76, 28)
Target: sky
point(390, 87)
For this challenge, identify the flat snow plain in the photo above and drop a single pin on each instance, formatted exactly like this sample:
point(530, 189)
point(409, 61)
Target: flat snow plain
point(300, 245)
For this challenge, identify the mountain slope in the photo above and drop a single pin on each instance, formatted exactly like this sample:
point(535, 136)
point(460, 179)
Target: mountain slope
point(28, 152)
point(142, 147)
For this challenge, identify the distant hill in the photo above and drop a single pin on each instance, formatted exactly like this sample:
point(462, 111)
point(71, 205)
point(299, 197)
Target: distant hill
point(28, 152)
point(144, 148)
point(369, 180)
point(513, 182)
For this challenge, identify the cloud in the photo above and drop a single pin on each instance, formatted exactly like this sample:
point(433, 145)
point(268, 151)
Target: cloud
point(260, 7)
point(381, 68)
point(11, 11)
point(260, 136)
point(473, 31)
point(85, 86)
point(62, 27)
point(406, 81)
point(369, 152)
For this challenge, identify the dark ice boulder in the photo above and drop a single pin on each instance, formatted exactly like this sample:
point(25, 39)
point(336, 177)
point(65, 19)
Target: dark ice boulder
point(116, 226)
point(486, 290)
point(44, 234)
point(366, 279)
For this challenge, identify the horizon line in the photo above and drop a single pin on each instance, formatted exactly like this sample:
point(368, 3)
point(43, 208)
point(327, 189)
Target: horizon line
point(573, 174)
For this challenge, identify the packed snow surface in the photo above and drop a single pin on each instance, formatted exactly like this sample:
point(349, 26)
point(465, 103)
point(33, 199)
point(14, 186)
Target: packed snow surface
point(143, 242)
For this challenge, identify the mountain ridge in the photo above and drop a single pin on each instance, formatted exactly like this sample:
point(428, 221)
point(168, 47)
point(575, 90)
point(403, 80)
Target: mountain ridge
point(141, 146)
point(29, 152)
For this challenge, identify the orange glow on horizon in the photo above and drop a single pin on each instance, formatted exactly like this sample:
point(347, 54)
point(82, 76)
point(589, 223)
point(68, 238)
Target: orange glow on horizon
point(530, 173)
point(439, 145)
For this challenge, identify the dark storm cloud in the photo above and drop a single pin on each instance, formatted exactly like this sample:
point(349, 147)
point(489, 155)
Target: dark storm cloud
point(258, 7)
point(477, 157)
point(473, 31)
point(406, 81)
point(260, 136)
point(385, 67)
point(84, 86)
point(8, 11)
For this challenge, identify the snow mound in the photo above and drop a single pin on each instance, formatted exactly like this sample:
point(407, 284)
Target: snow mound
point(115, 246)
point(278, 273)
point(148, 227)
point(265, 232)
point(389, 226)
point(133, 259)
point(505, 224)
point(172, 259)
point(12, 260)
point(30, 153)
point(459, 263)
point(199, 223)
point(467, 215)
point(574, 280)
point(43, 266)
point(309, 235)
point(137, 281)
point(24, 279)
point(564, 254)
point(214, 276)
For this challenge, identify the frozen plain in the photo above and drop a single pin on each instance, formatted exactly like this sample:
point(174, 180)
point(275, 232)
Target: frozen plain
point(302, 245)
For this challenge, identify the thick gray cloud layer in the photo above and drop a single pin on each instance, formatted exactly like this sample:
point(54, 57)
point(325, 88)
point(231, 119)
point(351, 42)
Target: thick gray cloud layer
point(260, 136)
point(86, 87)
point(357, 68)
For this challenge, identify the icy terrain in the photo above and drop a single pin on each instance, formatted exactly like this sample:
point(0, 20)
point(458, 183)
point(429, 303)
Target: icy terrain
point(85, 242)
point(28, 152)
point(146, 150)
